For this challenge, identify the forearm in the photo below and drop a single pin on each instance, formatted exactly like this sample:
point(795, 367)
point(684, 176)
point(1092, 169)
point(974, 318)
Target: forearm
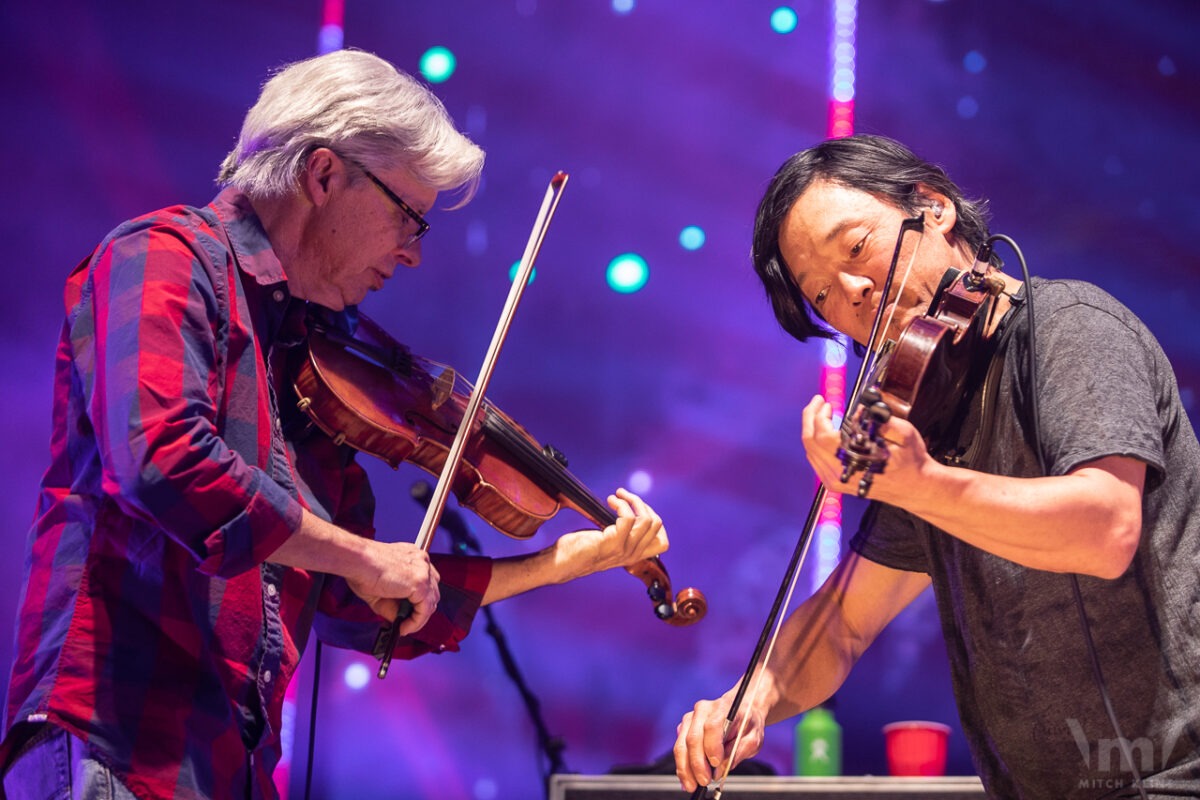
point(636, 535)
point(320, 546)
point(516, 574)
point(812, 658)
point(1087, 521)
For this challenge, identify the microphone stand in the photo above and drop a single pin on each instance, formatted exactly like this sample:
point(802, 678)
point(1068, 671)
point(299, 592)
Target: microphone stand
point(465, 542)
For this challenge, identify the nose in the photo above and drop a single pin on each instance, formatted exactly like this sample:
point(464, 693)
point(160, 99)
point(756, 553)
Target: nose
point(409, 254)
point(856, 288)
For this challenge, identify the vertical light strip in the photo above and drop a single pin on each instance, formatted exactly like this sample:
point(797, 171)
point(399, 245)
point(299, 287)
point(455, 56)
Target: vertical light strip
point(833, 367)
point(332, 33)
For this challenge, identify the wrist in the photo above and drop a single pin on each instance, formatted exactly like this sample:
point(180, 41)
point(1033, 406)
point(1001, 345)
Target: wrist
point(934, 486)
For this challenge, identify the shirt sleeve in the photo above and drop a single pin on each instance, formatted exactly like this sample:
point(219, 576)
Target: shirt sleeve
point(1095, 388)
point(338, 486)
point(346, 621)
point(889, 536)
point(146, 339)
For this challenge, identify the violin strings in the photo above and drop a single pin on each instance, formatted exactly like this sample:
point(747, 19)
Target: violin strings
point(544, 466)
point(903, 282)
point(868, 365)
point(495, 424)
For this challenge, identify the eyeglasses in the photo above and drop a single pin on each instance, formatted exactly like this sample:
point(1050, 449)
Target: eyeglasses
point(422, 225)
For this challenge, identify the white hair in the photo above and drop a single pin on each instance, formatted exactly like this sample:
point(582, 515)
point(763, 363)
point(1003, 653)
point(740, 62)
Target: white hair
point(363, 108)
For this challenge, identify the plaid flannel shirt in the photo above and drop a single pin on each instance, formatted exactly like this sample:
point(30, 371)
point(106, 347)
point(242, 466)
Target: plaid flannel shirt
point(151, 622)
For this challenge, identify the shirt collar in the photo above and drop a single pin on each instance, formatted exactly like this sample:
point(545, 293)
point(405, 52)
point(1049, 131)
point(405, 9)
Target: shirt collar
point(248, 237)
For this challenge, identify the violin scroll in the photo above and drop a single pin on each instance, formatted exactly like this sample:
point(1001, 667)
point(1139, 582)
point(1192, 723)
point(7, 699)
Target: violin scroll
point(689, 605)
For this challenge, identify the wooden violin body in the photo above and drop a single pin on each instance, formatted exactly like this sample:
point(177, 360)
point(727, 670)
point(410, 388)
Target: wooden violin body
point(372, 393)
point(925, 377)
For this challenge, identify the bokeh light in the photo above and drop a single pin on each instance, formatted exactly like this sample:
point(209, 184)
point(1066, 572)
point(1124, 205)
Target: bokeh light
point(640, 482)
point(515, 268)
point(691, 237)
point(783, 20)
point(974, 61)
point(357, 675)
point(627, 273)
point(438, 64)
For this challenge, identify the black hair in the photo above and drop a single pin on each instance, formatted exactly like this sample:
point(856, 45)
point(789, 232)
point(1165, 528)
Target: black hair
point(874, 164)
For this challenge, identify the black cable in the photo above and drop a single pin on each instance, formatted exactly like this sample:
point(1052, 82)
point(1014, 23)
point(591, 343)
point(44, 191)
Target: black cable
point(312, 721)
point(984, 256)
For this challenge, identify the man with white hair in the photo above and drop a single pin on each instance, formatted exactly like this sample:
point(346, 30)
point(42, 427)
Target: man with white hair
point(187, 538)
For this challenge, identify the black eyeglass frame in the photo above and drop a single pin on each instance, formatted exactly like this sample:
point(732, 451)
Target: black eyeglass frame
point(422, 225)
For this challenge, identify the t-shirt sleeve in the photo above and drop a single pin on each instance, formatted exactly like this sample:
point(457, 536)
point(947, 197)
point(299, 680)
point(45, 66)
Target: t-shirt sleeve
point(1096, 389)
point(889, 536)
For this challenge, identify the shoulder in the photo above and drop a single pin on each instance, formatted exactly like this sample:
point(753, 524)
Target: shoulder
point(1074, 315)
point(171, 239)
point(1079, 300)
point(172, 251)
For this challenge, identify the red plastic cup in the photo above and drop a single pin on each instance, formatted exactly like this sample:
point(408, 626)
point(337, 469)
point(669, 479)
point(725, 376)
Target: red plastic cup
point(916, 747)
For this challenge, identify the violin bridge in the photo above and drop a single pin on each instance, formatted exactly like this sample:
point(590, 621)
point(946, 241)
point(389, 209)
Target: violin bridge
point(443, 387)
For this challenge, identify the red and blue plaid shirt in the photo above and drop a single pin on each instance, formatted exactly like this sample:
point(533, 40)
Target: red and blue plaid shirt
point(151, 622)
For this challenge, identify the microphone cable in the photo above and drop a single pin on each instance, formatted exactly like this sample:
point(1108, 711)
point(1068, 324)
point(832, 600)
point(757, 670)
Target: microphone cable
point(984, 256)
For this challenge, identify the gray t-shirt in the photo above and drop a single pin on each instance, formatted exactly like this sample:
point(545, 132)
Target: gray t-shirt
point(1023, 679)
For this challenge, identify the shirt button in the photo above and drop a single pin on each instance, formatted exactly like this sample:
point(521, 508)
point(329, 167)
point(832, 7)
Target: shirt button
point(278, 295)
point(271, 590)
point(266, 676)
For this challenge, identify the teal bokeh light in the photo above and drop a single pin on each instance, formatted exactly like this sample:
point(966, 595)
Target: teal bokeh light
point(437, 64)
point(627, 273)
point(512, 273)
point(691, 238)
point(783, 20)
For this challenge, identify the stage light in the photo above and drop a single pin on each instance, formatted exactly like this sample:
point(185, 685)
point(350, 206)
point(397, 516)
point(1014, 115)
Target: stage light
point(691, 237)
point(627, 273)
point(437, 64)
point(357, 675)
point(640, 481)
point(512, 272)
point(783, 20)
point(842, 55)
point(330, 38)
point(835, 353)
point(623, 6)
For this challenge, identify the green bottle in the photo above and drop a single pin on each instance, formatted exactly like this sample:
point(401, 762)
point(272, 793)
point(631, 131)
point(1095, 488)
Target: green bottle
point(818, 743)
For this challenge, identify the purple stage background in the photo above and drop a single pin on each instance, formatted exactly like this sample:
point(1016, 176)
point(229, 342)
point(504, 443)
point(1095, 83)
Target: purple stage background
point(1081, 128)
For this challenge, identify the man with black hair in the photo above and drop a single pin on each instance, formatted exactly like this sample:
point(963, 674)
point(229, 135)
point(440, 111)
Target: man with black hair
point(999, 537)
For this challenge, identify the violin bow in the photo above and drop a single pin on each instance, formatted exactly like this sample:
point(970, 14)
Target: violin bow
point(385, 644)
point(770, 631)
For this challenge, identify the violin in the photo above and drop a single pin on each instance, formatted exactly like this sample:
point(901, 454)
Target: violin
point(925, 376)
point(371, 392)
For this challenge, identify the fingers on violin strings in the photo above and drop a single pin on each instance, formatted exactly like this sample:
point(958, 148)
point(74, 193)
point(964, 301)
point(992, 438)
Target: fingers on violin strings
point(642, 509)
point(620, 503)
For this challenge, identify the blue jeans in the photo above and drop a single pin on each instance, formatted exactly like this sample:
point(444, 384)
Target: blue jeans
point(59, 766)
